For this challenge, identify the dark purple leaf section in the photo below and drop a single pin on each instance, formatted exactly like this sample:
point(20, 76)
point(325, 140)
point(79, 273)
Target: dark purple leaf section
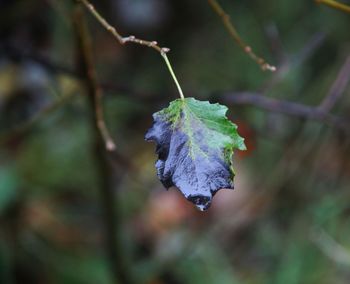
point(186, 161)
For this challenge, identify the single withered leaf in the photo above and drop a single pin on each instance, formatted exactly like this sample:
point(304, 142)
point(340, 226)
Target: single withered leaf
point(195, 143)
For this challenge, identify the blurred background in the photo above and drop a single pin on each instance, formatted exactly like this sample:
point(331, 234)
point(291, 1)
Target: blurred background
point(287, 221)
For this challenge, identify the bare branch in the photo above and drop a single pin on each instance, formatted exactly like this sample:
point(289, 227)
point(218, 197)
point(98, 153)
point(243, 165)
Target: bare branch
point(16, 51)
point(121, 39)
point(337, 88)
point(95, 94)
point(319, 113)
point(100, 136)
point(330, 247)
point(233, 32)
point(334, 4)
point(286, 107)
point(27, 125)
point(132, 39)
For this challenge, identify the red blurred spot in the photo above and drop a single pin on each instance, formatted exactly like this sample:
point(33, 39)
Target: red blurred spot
point(248, 133)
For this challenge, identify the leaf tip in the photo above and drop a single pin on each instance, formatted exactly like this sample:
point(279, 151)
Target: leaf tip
point(202, 202)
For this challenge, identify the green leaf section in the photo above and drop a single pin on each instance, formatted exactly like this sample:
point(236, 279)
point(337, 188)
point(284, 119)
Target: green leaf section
point(218, 132)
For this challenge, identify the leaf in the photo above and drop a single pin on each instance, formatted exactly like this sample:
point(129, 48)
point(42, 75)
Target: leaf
point(195, 143)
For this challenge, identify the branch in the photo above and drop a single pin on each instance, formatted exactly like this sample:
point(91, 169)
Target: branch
point(132, 39)
point(20, 52)
point(233, 32)
point(335, 5)
point(286, 107)
point(95, 94)
point(122, 40)
point(318, 113)
point(330, 247)
point(27, 125)
point(114, 247)
point(337, 88)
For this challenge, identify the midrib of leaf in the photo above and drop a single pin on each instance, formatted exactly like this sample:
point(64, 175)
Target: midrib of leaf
point(192, 143)
point(187, 112)
point(189, 133)
point(228, 147)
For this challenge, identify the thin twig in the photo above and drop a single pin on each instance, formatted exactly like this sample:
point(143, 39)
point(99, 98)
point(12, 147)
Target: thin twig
point(337, 88)
point(330, 247)
point(121, 39)
point(334, 4)
point(27, 125)
point(286, 107)
point(233, 32)
point(291, 62)
point(132, 39)
point(91, 81)
point(16, 51)
point(318, 113)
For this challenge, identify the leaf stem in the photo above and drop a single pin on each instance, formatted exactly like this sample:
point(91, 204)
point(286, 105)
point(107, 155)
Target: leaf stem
point(334, 4)
point(173, 74)
point(132, 39)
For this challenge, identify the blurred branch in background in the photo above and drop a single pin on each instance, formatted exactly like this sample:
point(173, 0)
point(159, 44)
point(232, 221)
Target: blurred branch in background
point(114, 248)
point(288, 63)
point(319, 113)
point(285, 107)
point(338, 87)
point(334, 4)
point(26, 126)
point(233, 32)
point(18, 52)
point(91, 80)
point(330, 247)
